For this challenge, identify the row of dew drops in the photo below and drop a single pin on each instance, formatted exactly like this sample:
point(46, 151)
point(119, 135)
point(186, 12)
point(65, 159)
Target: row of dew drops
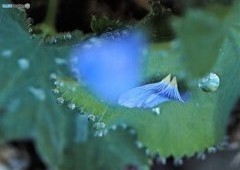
point(101, 131)
point(49, 39)
point(208, 83)
point(98, 125)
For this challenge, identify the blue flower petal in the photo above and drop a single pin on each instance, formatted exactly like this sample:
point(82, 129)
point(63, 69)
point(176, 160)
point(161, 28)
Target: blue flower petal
point(151, 95)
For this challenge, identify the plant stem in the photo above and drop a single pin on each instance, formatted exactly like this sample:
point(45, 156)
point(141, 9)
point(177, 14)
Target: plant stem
point(51, 13)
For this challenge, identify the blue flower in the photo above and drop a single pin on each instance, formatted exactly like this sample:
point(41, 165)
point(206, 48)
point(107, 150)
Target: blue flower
point(109, 65)
point(151, 95)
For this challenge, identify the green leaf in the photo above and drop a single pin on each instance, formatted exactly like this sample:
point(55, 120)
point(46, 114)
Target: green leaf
point(181, 128)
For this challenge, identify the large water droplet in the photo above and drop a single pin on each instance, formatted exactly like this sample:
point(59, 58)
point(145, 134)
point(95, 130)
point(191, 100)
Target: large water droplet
point(209, 83)
point(23, 63)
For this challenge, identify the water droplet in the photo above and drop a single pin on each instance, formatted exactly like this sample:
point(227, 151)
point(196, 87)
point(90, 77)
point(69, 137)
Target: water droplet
point(201, 156)
point(29, 21)
point(32, 36)
point(132, 132)
point(147, 152)
point(162, 160)
point(209, 83)
point(30, 30)
point(105, 132)
point(96, 126)
point(58, 83)
point(91, 118)
point(99, 133)
point(55, 91)
point(178, 162)
point(53, 76)
point(139, 144)
point(51, 40)
point(123, 125)
point(102, 125)
point(27, 5)
point(60, 61)
point(67, 36)
point(38, 93)
point(6, 53)
point(113, 127)
point(23, 63)
point(60, 100)
point(156, 110)
point(212, 150)
point(71, 106)
point(223, 144)
point(81, 110)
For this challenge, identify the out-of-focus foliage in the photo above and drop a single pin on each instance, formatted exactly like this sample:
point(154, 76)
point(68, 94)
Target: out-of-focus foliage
point(202, 34)
point(102, 24)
